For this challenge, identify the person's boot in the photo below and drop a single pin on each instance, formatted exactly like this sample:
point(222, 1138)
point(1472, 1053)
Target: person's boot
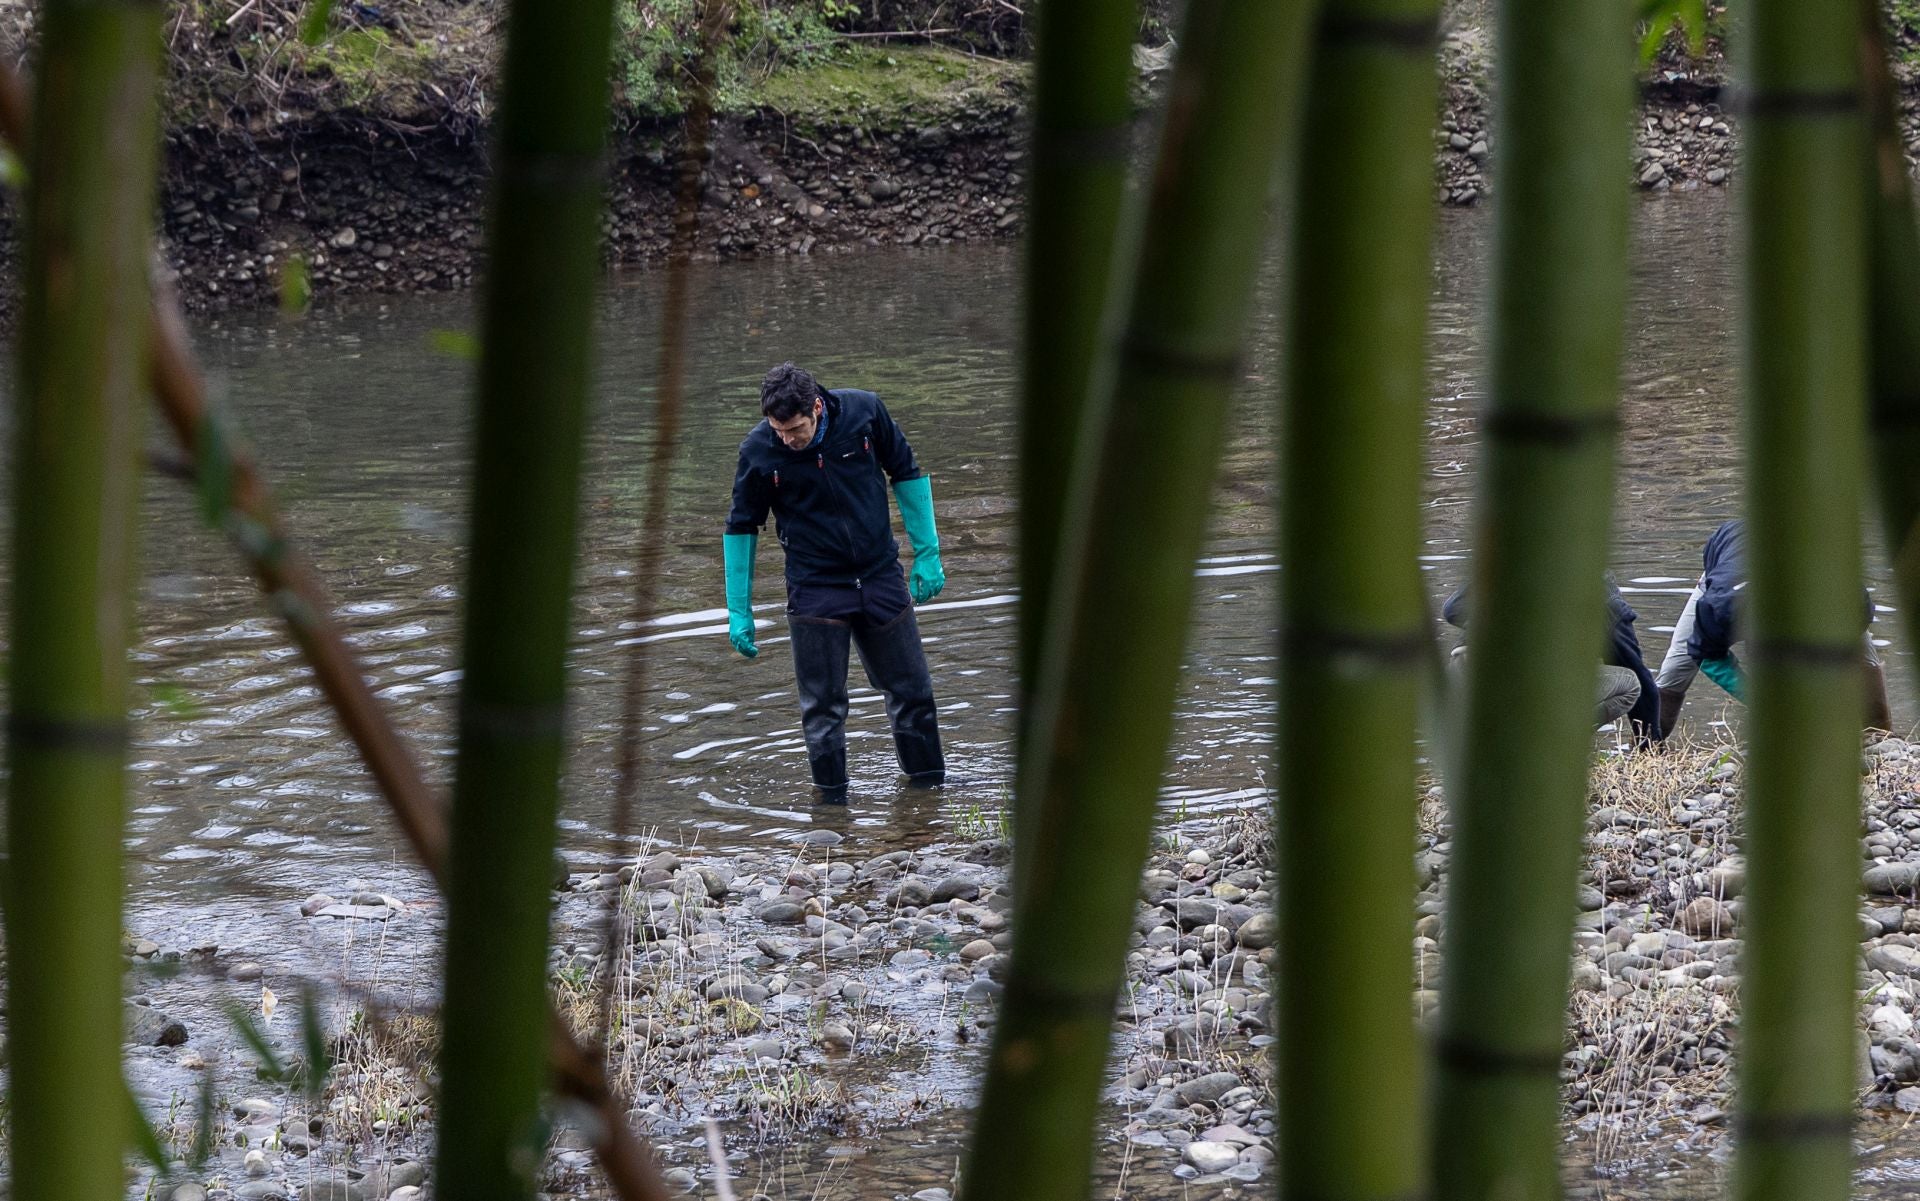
point(1670, 701)
point(896, 664)
point(1879, 709)
point(829, 777)
point(820, 677)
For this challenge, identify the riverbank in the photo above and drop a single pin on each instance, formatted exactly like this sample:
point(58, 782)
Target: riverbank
point(820, 995)
point(364, 158)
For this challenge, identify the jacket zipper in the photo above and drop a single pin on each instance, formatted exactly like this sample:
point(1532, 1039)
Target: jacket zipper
point(846, 526)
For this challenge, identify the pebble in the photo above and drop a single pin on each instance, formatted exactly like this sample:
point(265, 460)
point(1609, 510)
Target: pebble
point(1210, 1158)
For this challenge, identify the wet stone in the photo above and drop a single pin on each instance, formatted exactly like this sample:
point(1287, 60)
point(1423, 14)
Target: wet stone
point(1207, 1088)
point(148, 1027)
point(1210, 1158)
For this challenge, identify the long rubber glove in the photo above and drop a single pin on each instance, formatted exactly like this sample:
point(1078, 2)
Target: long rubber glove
point(737, 550)
point(1726, 673)
point(916, 509)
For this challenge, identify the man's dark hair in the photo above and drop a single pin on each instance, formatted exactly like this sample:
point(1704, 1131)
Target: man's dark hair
point(787, 392)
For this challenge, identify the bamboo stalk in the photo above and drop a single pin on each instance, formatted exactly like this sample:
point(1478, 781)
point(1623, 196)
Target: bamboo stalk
point(535, 369)
point(1804, 376)
point(77, 456)
point(252, 521)
point(1894, 334)
point(1353, 635)
point(1082, 116)
point(1544, 518)
point(1135, 522)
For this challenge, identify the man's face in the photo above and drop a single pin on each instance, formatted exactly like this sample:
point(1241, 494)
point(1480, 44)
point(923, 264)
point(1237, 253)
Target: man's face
point(797, 430)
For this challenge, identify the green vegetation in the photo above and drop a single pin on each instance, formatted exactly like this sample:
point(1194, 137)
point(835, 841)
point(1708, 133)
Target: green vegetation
point(376, 70)
point(885, 88)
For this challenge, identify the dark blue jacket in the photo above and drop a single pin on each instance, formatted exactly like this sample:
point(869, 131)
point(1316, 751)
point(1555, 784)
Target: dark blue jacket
point(1723, 575)
point(1623, 650)
point(829, 501)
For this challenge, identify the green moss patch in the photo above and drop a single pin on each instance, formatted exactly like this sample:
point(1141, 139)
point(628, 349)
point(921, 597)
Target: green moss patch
point(887, 87)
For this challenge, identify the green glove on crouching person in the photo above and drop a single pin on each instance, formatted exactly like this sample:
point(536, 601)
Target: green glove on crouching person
point(915, 497)
point(737, 552)
point(1726, 673)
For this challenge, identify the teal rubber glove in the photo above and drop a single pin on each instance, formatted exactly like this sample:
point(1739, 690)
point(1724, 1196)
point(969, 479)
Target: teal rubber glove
point(1726, 673)
point(916, 509)
point(737, 550)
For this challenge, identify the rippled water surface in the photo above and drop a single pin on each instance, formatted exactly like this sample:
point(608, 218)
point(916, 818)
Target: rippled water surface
point(246, 797)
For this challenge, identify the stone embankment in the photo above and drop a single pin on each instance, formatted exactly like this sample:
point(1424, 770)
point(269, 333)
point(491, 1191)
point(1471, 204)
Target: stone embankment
point(376, 205)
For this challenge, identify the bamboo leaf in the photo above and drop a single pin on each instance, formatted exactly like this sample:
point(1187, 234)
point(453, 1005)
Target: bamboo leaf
point(454, 343)
point(203, 1124)
point(175, 702)
point(319, 1060)
point(272, 1067)
point(145, 1142)
point(213, 469)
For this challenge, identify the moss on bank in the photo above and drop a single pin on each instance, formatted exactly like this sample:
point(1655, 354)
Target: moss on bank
point(888, 88)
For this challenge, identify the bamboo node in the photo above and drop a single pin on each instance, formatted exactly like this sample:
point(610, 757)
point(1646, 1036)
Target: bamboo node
point(505, 721)
point(1471, 1057)
point(1377, 31)
point(1560, 430)
point(1056, 147)
point(1802, 652)
point(1384, 648)
point(1792, 1127)
point(46, 733)
point(1139, 350)
point(551, 170)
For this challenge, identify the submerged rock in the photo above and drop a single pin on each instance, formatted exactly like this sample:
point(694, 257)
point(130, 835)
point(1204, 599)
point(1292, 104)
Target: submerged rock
point(148, 1027)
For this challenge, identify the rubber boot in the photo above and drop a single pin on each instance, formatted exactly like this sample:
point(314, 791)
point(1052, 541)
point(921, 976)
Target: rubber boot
point(829, 777)
point(897, 666)
point(1670, 701)
point(1879, 709)
point(820, 677)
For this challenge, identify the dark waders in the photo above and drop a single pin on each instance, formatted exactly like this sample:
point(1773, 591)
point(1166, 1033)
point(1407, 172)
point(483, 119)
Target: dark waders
point(877, 618)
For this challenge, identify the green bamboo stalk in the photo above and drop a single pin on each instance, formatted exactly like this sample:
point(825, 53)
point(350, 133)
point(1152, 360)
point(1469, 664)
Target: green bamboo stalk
point(1559, 298)
point(77, 481)
point(1353, 633)
point(1135, 522)
point(538, 327)
point(1894, 333)
point(1082, 115)
point(1805, 361)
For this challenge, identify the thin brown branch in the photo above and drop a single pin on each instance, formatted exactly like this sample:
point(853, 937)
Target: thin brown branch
point(669, 392)
point(300, 599)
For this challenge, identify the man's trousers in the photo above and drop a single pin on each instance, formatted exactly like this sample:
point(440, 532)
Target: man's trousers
point(877, 618)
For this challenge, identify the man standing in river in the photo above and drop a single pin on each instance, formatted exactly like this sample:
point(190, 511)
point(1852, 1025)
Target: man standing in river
point(820, 462)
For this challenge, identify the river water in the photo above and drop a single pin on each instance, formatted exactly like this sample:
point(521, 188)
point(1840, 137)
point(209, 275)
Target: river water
point(246, 798)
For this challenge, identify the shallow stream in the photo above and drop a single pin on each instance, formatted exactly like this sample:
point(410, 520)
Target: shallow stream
point(246, 798)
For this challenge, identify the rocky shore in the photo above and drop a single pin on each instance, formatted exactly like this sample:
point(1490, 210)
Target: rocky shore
point(823, 994)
